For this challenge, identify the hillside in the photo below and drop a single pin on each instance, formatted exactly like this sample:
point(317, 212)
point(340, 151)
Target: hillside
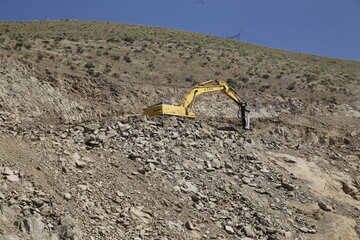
point(78, 161)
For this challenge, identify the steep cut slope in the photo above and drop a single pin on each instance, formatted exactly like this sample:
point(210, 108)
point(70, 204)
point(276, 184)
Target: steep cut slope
point(98, 61)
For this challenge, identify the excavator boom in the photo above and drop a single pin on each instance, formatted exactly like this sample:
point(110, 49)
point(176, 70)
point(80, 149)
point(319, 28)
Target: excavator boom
point(186, 107)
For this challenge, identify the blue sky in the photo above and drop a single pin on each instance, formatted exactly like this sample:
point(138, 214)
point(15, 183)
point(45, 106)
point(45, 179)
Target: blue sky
point(322, 27)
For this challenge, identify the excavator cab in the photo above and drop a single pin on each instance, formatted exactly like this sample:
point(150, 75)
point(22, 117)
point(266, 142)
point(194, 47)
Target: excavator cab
point(186, 107)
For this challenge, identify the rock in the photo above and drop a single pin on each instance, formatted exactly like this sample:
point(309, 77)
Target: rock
point(12, 178)
point(246, 180)
point(177, 151)
point(8, 171)
point(80, 164)
point(209, 155)
point(139, 215)
point(189, 187)
point(324, 206)
point(34, 226)
point(170, 122)
point(229, 229)
point(68, 230)
point(332, 141)
point(249, 232)
point(76, 157)
point(67, 196)
point(216, 163)
point(110, 134)
point(349, 189)
point(8, 237)
point(37, 202)
point(189, 225)
point(288, 186)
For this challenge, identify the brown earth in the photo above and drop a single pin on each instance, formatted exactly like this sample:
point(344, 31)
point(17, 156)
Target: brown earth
point(78, 161)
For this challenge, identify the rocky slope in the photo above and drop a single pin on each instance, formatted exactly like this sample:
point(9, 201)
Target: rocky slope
point(78, 161)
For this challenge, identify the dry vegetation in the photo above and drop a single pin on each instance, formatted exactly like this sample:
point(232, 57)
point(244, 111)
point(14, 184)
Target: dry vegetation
point(161, 56)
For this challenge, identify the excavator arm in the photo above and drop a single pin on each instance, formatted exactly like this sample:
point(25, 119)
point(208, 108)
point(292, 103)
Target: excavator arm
point(186, 107)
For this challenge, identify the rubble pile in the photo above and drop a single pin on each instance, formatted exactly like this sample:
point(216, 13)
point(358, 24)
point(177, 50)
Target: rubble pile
point(166, 178)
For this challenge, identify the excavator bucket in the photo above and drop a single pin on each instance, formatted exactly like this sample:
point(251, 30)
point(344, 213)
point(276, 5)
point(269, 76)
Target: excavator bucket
point(244, 115)
point(166, 108)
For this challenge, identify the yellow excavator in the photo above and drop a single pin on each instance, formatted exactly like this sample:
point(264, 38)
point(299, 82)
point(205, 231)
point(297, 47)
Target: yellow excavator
point(186, 107)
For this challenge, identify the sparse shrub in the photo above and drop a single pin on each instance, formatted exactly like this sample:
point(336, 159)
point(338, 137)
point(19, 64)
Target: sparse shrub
point(143, 47)
point(58, 39)
point(197, 49)
point(189, 79)
point(96, 74)
point(129, 39)
point(266, 76)
point(27, 46)
point(316, 70)
point(127, 58)
point(115, 57)
point(264, 87)
point(90, 71)
point(291, 86)
point(112, 40)
point(151, 65)
point(115, 75)
point(79, 50)
point(195, 83)
point(18, 46)
point(310, 77)
point(73, 39)
point(89, 65)
point(232, 83)
point(106, 70)
point(244, 79)
point(39, 56)
point(68, 49)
